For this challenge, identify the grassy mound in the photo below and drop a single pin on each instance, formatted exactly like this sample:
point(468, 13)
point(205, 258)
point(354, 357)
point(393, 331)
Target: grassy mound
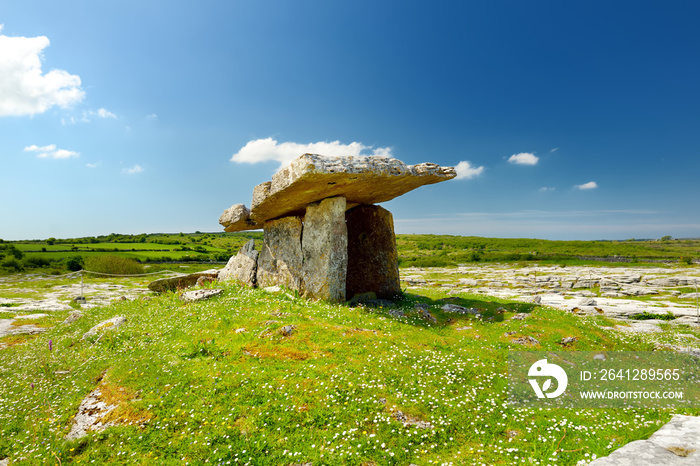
point(218, 381)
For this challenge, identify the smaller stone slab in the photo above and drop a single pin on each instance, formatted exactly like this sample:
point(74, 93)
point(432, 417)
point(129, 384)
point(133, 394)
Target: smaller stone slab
point(181, 281)
point(237, 218)
point(242, 267)
point(281, 257)
point(199, 295)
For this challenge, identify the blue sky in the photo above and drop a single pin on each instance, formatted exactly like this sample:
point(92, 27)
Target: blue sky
point(566, 120)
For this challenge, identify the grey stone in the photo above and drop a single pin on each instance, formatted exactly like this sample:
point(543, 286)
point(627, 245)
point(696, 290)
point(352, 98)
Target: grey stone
point(587, 302)
point(180, 282)
point(287, 330)
point(199, 295)
point(467, 282)
point(675, 444)
point(426, 315)
point(281, 257)
point(325, 248)
point(373, 260)
point(455, 309)
point(526, 340)
point(521, 316)
point(242, 267)
point(72, 317)
point(396, 313)
point(312, 178)
point(110, 324)
point(566, 341)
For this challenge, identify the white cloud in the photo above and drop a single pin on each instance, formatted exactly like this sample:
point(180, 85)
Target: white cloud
point(546, 189)
point(152, 116)
point(24, 88)
point(104, 113)
point(589, 185)
point(465, 171)
point(133, 170)
point(524, 158)
point(554, 150)
point(51, 151)
point(92, 165)
point(265, 150)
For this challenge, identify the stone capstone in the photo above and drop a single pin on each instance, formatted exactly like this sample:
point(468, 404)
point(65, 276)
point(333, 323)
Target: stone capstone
point(312, 178)
point(373, 260)
point(281, 257)
point(324, 246)
point(243, 267)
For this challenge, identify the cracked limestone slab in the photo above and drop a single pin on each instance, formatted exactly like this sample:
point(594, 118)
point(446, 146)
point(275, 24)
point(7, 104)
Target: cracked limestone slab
point(312, 178)
point(676, 443)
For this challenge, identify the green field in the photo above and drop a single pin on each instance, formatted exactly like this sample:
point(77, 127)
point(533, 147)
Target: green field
point(414, 250)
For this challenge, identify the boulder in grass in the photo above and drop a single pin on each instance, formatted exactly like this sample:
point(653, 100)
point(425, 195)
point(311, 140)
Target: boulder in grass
point(110, 324)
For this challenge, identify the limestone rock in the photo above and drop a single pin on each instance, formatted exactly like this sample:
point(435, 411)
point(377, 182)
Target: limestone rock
point(373, 261)
point(281, 257)
point(325, 250)
point(110, 324)
point(199, 295)
point(237, 218)
point(312, 178)
point(676, 443)
point(242, 267)
point(72, 317)
point(179, 282)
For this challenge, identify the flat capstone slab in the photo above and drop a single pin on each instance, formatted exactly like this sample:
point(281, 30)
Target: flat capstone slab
point(312, 178)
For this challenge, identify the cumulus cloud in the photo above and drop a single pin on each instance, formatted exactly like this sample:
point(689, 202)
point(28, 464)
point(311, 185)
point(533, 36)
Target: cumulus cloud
point(266, 150)
point(524, 158)
point(51, 152)
point(24, 88)
point(585, 186)
point(133, 170)
point(465, 171)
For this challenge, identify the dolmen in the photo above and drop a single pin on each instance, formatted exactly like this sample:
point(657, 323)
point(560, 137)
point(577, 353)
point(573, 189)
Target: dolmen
point(324, 237)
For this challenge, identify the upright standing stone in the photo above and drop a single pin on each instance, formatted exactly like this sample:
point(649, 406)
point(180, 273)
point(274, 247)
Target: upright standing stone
point(325, 248)
point(243, 266)
point(373, 261)
point(281, 257)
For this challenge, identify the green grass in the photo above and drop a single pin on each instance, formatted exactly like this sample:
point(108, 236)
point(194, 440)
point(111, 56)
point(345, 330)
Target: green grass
point(190, 388)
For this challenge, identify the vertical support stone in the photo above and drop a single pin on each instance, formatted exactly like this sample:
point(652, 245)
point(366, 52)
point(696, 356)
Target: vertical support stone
point(325, 249)
point(373, 260)
point(281, 256)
